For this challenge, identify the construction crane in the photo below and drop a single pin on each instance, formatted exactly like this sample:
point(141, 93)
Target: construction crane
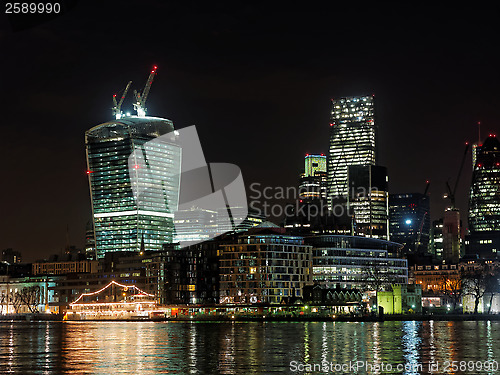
point(140, 98)
point(422, 221)
point(451, 193)
point(117, 111)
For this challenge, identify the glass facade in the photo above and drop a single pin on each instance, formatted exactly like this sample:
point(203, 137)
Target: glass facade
point(410, 220)
point(313, 164)
point(264, 268)
point(484, 204)
point(313, 182)
point(124, 219)
point(353, 136)
point(368, 200)
point(484, 200)
point(353, 262)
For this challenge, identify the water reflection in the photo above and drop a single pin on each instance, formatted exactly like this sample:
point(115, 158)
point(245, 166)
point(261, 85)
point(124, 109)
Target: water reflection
point(243, 348)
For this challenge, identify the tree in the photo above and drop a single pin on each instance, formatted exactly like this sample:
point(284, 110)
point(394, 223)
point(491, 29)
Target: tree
point(452, 288)
point(492, 286)
point(3, 300)
point(15, 300)
point(30, 296)
point(475, 282)
point(378, 276)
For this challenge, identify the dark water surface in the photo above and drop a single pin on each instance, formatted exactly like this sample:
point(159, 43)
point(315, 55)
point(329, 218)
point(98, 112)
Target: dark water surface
point(249, 347)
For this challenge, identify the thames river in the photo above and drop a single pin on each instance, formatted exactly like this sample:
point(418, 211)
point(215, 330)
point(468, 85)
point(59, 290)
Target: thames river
point(409, 347)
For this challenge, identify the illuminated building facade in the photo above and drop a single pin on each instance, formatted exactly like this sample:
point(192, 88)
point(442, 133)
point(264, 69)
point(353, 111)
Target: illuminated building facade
point(313, 181)
point(484, 210)
point(247, 217)
point(354, 262)
point(62, 268)
point(194, 225)
point(353, 140)
point(410, 221)
point(484, 200)
point(368, 200)
point(264, 267)
point(314, 164)
point(121, 221)
point(27, 295)
point(436, 245)
point(401, 299)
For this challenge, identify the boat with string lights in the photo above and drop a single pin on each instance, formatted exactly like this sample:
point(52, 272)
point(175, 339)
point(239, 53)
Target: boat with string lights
point(115, 301)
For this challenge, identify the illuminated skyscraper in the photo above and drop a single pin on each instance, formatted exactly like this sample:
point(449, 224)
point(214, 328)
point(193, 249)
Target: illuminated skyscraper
point(313, 181)
point(353, 135)
point(368, 200)
point(313, 164)
point(484, 208)
point(484, 200)
point(121, 223)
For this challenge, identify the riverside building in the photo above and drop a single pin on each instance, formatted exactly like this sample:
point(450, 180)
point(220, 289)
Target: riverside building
point(356, 262)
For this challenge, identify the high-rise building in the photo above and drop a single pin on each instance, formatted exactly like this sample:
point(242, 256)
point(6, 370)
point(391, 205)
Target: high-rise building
point(436, 246)
point(124, 219)
point(452, 235)
point(313, 181)
point(484, 200)
point(90, 240)
point(313, 164)
point(368, 200)
point(410, 221)
point(353, 141)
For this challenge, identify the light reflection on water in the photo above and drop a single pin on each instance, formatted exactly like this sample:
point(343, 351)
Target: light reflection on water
point(238, 347)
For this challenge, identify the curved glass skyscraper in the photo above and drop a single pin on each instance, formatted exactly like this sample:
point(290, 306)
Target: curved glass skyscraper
point(121, 223)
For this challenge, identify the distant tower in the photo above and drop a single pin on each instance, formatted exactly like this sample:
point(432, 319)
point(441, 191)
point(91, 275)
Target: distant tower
point(410, 221)
point(353, 135)
point(313, 181)
point(90, 241)
point(484, 200)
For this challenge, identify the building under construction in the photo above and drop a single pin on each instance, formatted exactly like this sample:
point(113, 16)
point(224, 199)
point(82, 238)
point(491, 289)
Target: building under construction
point(122, 222)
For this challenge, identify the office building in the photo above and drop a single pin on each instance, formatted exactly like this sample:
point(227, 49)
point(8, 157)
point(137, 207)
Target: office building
point(246, 217)
point(353, 141)
point(195, 225)
point(484, 200)
point(126, 219)
point(313, 182)
point(368, 200)
point(266, 266)
point(10, 256)
point(356, 262)
point(436, 238)
point(410, 221)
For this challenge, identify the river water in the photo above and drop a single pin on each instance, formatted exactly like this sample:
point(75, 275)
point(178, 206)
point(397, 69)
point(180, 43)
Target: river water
point(250, 347)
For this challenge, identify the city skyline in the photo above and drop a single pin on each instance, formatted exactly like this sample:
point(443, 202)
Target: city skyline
point(265, 89)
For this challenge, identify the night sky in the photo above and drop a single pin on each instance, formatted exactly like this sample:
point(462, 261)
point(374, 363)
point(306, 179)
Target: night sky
point(255, 79)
